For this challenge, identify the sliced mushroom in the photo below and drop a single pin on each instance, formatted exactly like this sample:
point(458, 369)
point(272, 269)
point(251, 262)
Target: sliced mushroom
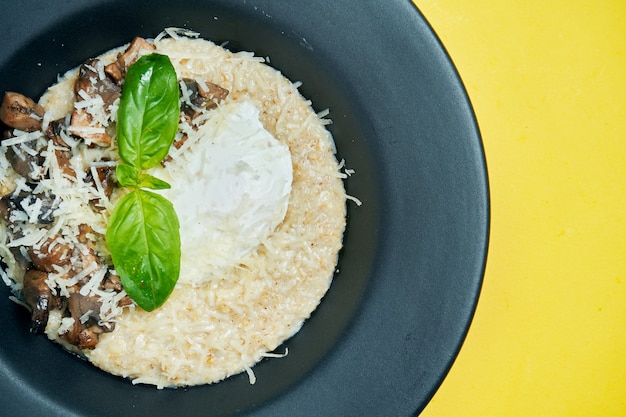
point(212, 93)
point(117, 69)
point(48, 206)
point(20, 112)
point(83, 125)
point(92, 84)
point(38, 296)
point(37, 208)
point(112, 282)
point(86, 251)
point(85, 311)
point(84, 307)
point(62, 153)
point(106, 177)
point(54, 252)
point(88, 338)
point(25, 163)
point(5, 209)
point(54, 130)
point(22, 261)
point(84, 232)
point(199, 96)
point(178, 143)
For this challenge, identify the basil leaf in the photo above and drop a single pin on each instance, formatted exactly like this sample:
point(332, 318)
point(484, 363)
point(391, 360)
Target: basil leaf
point(144, 240)
point(143, 233)
point(148, 181)
point(148, 111)
point(127, 176)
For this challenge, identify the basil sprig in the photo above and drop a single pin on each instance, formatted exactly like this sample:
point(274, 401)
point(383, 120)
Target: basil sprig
point(143, 233)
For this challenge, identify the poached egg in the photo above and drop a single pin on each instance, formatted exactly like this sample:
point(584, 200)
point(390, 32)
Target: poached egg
point(230, 186)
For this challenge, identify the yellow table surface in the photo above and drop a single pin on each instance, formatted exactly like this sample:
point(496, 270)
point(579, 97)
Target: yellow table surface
point(547, 80)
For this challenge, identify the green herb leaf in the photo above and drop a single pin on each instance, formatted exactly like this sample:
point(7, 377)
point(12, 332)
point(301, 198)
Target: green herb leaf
point(143, 236)
point(143, 233)
point(148, 112)
point(127, 176)
point(148, 181)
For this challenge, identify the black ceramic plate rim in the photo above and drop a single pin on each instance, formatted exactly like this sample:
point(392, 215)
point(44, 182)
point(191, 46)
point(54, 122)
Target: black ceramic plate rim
point(358, 375)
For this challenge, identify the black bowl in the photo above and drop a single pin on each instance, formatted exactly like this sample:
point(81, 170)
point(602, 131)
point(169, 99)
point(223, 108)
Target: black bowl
point(409, 276)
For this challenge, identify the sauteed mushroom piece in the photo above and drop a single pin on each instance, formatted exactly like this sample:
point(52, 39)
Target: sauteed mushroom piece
point(25, 158)
point(198, 95)
point(20, 112)
point(54, 252)
point(62, 153)
point(117, 69)
point(38, 296)
point(85, 311)
point(25, 163)
point(92, 84)
point(34, 208)
point(106, 177)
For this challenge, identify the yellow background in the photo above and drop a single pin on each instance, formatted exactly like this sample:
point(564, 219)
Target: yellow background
point(547, 80)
